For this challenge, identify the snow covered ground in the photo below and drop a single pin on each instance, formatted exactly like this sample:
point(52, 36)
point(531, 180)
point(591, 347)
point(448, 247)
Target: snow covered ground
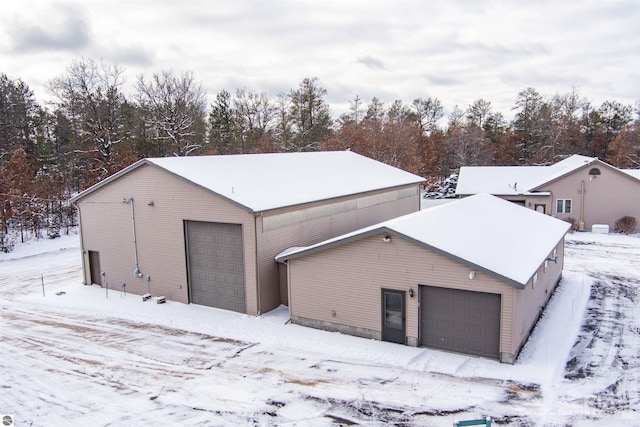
point(81, 355)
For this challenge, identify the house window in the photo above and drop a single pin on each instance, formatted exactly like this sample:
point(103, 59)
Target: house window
point(563, 206)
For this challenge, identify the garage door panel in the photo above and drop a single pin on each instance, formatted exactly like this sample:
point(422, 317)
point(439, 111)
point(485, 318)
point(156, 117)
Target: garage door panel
point(458, 345)
point(460, 328)
point(216, 265)
point(460, 321)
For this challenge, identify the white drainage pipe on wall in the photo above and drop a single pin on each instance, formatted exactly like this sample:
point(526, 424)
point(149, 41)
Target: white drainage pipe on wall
point(136, 271)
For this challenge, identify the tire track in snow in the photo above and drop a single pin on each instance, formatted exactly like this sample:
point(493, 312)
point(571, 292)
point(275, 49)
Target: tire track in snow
point(605, 358)
point(43, 353)
point(171, 371)
point(64, 366)
point(603, 370)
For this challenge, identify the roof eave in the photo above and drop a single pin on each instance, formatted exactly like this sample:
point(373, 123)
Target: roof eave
point(473, 266)
point(208, 190)
point(391, 231)
point(328, 199)
point(333, 243)
point(546, 258)
point(569, 172)
point(148, 162)
point(109, 179)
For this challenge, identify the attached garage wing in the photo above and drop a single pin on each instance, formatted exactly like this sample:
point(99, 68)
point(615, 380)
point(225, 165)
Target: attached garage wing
point(216, 265)
point(460, 321)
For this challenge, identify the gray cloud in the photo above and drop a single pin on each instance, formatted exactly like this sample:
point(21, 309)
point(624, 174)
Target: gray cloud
point(458, 51)
point(130, 55)
point(370, 62)
point(442, 80)
point(64, 27)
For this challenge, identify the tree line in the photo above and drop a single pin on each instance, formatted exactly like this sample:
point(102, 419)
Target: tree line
point(93, 128)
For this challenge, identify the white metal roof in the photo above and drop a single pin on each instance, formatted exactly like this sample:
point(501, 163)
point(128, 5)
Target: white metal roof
point(262, 182)
point(514, 180)
point(483, 231)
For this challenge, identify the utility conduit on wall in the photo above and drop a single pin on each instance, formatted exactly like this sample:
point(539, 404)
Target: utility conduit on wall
point(130, 202)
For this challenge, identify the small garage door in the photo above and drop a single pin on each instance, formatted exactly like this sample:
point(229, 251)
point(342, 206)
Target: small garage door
point(216, 265)
point(461, 321)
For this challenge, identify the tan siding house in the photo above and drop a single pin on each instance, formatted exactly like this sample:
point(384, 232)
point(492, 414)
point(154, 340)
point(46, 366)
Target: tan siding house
point(205, 230)
point(468, 276)
point(584, 189)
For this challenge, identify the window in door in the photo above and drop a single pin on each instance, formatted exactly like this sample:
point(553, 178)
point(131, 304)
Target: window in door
point(393, 316)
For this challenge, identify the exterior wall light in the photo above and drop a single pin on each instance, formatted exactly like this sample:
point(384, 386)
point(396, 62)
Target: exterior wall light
point(472, 274)
point(386, 238)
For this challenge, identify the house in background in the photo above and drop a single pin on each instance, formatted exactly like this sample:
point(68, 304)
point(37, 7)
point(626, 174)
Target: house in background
point(471, 276)
point(585, 189)
point(206, 229)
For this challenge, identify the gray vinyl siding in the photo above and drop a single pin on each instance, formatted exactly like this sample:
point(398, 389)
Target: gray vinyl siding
point(607, 198)
point(313, 223)
point(346, 280)
point(530, 301)
point(107, 228)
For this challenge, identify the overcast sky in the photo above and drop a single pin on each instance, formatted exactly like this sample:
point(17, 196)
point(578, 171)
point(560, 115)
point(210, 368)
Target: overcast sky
point(456, 50)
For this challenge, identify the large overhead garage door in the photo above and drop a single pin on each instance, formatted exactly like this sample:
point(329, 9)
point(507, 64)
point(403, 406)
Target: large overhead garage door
point(461, 321)
point(216, 265)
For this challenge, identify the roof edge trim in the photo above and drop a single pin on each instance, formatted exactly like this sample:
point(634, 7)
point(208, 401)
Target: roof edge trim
point(355, 237)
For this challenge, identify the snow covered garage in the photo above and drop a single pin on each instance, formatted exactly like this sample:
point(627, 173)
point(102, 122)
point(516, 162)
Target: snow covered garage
point(206, 229)
point(471, 276)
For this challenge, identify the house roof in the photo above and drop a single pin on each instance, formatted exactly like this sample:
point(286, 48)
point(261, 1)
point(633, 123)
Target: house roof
point(482, 231)
point(261, 182)
point(633, 172)
point(517, 180)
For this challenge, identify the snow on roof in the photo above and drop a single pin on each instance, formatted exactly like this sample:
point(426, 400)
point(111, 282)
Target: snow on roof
point(573, 162)
point(514, 180)
point(633, 172)
point(565, 167)
point(268, 181)
point(261, 182)
point(495, 235)
point(500, 180)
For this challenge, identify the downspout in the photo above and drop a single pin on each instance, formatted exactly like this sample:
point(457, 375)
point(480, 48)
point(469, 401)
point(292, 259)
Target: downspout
point(581, 222)
point(136, 271)
point(82, 251)
point(257, 262)
point(289, 291)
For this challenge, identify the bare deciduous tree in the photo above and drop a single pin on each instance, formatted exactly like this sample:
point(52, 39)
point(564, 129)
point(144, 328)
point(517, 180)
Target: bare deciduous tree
point(174, 111)
point(255, 115)
point(430, 111)
point(91, 98)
